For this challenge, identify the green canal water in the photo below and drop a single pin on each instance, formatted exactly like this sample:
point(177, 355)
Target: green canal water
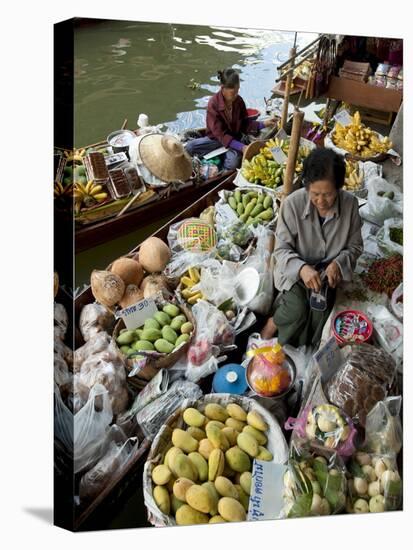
point(124, 68)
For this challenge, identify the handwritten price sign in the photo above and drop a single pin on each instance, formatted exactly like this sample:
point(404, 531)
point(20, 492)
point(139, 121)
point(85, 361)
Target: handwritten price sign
point(134, 316)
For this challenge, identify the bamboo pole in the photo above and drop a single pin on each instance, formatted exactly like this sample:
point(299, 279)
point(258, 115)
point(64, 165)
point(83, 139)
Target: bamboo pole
point(298, 118)
point(300, 52)
point(288, 81)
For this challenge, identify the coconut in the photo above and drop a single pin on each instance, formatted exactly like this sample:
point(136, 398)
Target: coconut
point(152, 284)
point(132, 295)
point(107, 288)
point(130, 271)
point(154, 254)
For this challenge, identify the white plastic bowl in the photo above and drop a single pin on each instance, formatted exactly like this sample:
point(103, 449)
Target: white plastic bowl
point(247, 283)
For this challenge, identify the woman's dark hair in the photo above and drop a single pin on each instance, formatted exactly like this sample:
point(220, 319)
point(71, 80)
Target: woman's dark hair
point(229, 78)
point(324, 164)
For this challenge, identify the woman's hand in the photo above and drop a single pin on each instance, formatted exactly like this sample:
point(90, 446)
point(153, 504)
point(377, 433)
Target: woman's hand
point(333, 274)
point(310, 277)
point(270, 122)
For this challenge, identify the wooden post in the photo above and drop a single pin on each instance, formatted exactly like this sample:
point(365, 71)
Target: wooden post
point(288, 81)
point(298, 118)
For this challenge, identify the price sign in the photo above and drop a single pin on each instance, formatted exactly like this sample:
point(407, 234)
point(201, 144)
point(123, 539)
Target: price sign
point(266, 487)
point(279, 156)
point(134, 316)
point(329, 358)
point(282, 134)
point(343, 118)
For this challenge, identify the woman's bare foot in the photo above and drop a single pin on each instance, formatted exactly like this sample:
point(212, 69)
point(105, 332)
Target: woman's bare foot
point(269, 330)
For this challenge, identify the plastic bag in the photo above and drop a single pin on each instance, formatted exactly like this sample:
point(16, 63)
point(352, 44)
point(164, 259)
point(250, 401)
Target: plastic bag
point(95, 318)
point(152, 417)
point(61, 321)
point(388, 331)
point(361, 380)
point(384, 434)
point(379, 207)
point(94, 345)
point(397, 302)
point(374, 483)
point(63, 421)
point(391, 230)
point(96, 479)
point(314, 484)
point(217, 282)
point(89, 427)
point(192, 235)
point(107, 368)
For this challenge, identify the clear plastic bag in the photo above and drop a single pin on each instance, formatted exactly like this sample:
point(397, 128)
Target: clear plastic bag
point(379, 207)
point(374, 483)
point(152, 417)
point(114, 459)
point(384, 237)
point(397, 302)
point(325, 426)
point(314, 484)
point(388, 331)
point(95, 318)
point(384, 434)
point(63, 421)
point(61, 321)
point(192, 235)
point(90, 425)
point(94, 345)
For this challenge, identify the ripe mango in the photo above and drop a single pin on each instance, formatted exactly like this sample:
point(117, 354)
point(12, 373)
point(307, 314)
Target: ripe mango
point(248, 444)
point(196, 433)
point(182, 439)
point(181, 486)
point(199, 498)
point(238, 460)
point(216, 412)
point(200, 464)
point(170, 456)
point(255, 420)
point(264, 454)
point(193, 417)
point(183, 467)
point(243, 497)
point(187, 328)
point(225, 487)
point(259, 436)
point(216, 437)
point(186, 515)
point(235, 424)
point(170, 484)
point(236, 411)
point(217, 519)
point(245, 482)
point(205, 448)
point(176, 503)
point(216, 463)
point(161, 497)
point(214, 496)
point(208, 422)
point(231, 435)
point(231, 509)
point(161, 474)
point(171, 310)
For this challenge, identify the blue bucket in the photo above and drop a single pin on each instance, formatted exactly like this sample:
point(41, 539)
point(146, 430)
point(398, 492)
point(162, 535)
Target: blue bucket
point(230, 378)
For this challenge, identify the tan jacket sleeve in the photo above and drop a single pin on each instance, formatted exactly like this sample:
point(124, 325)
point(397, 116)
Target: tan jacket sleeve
point(347, 258)
point(288, 262)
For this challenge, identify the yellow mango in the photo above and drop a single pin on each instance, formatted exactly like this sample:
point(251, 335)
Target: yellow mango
point(245, 480)
point(235, 424)
point(231, 435)
point(225, 487)
point(193, 417)
point(200, 464)
point(238, 460)
point(176, 504)
point(214, 423)
point(170, 484)
point(183, 467)
point(243, 497)
point(182, 439)
point(161, 497)
point(161, 474)
point(248, 444)
point(264, 454)
point(216, 437)
point(180, 488)
point(217, 519)
point(215, 412)
point(259, 436)
point(198, 434)
point(199, 498)
point(231, 509)
point(237, 412)
point(255, 420)
point(186, 515)
point(170, 456)
point(214, 496)
point(216, 463)
point(205, 448)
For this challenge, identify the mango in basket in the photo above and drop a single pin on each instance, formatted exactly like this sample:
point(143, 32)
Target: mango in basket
point(182, 439)
point(248, 444)
point(199, 498)
point(170, 456)
point(245, 481)
point(238, 460)
point(196, 433)
point(243, 497)
point(216, 412)
point(225, 487)
point(161, 474)
point(193, 417)
point(231, 509)
point(255, 420)
point(161, 497)
point(205, 448)
point(186, 515)
point(259, 436)
point(200, 464)
point(183, 467)
point(231, 435)
point(181, 486)
point(235, 424)
point(237, 412)
point(216, 464)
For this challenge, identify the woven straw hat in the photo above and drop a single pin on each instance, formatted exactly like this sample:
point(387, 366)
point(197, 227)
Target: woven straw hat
point(165, 157)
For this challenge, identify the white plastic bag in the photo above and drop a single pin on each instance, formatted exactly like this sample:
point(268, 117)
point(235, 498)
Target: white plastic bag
point(397, 302)
point(380, 208)
point(384, 241)
point(95, 318)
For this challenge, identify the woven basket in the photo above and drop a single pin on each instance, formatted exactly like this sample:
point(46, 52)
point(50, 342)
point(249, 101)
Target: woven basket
point(154, 365)
point(277, 445)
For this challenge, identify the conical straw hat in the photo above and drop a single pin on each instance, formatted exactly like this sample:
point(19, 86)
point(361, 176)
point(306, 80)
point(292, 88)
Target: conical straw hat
point(165, 157)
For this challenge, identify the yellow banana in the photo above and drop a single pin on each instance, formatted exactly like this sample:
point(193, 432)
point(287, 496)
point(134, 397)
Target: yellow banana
point(100, 197)
point(195, 298)
point(194, 274)
point(95, 189)
point(187, 281)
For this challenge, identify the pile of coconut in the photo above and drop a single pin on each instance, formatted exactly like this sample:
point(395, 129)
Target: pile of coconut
point(129, 280)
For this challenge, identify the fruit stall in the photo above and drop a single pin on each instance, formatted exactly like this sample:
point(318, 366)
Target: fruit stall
point(176, 397)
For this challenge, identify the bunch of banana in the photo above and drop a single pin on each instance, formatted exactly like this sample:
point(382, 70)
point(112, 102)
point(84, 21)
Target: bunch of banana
point(88, 195)
point(358, 139)
point(75, 155)
point(189, 280)
point(60, 191)
point(353, 177)
point(263, 171)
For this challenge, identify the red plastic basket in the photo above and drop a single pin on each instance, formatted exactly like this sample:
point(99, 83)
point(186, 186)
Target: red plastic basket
point(253, 114)
point(352, 326)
